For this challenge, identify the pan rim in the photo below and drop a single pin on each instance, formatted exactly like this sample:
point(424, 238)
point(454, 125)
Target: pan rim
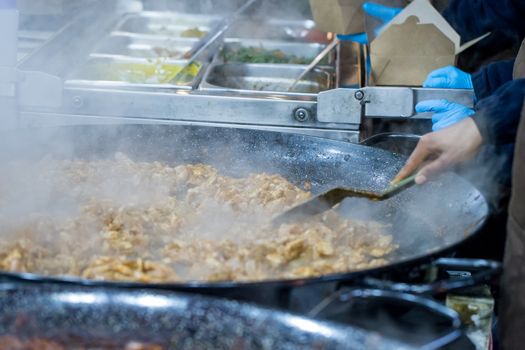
point(284, 283)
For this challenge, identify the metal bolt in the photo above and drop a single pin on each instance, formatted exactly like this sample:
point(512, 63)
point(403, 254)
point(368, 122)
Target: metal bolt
point(77, 101)
point(301, 114)
point(359, 95)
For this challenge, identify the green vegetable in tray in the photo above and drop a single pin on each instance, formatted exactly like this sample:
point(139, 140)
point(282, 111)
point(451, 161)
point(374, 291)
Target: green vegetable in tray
point(261, 55)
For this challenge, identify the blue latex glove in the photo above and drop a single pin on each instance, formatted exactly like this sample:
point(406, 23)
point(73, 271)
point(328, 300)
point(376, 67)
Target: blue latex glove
point(445, 112)
point(384, 13)
point(360, 38)
point(449, 78)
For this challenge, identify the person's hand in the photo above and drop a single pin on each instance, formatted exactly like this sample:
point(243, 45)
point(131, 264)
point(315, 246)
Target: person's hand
point(444, 148)
point(384, 13)
point(445, 112)
point(449, 77)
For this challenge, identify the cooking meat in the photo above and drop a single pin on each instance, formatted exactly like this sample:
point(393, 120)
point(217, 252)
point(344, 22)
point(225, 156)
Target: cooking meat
point(124, 220)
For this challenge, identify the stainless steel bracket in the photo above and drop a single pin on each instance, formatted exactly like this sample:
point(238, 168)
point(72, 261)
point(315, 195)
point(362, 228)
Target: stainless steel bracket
point(339, 106)
point(350, 105)
point(400, 102)
point(38, 89)
point(32, 89)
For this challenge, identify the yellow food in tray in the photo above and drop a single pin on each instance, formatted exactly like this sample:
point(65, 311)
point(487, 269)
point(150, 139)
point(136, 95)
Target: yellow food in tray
point(193, 33)
point(153, 73)
point(157, 72)
point(144, 73)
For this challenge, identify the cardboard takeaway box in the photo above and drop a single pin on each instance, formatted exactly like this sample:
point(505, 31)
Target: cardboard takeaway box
point(417, 41)
point(344, 16)
point(338, 16)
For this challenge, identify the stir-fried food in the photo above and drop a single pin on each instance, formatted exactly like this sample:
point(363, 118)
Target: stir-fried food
point(123, 220)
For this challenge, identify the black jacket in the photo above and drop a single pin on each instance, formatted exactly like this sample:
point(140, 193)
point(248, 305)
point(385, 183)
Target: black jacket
point(505, 19)
point(498, 115)
point(473, 18)
point(500, 99)
point(491, 77)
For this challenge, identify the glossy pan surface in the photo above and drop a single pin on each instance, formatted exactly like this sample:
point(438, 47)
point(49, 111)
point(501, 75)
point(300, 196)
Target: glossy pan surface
point(424, 220)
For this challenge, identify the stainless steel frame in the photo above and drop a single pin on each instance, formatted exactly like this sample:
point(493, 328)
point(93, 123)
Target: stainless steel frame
point(336, 111)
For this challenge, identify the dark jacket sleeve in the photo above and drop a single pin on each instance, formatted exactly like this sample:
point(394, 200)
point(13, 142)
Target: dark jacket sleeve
point(498, 115)
point(473, 18)
point(492, 77)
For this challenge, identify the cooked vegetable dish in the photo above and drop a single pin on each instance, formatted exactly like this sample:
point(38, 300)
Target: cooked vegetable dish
point(125, 220)
point(261, 55)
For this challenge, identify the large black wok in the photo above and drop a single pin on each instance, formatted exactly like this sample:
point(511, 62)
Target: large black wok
point(426, 221)
point(110, 318)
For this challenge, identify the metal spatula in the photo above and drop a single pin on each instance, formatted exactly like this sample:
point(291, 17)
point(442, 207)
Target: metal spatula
point(204, 44)
point(327, 200)
point(314, 63)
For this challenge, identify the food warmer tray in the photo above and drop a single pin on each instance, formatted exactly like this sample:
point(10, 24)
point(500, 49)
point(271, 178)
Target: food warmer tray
point(231, 77)
point(273, 79)
point(272, 29)
point(59, 97)
point(139, 46)
point(168, 25)
point(145, 51)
